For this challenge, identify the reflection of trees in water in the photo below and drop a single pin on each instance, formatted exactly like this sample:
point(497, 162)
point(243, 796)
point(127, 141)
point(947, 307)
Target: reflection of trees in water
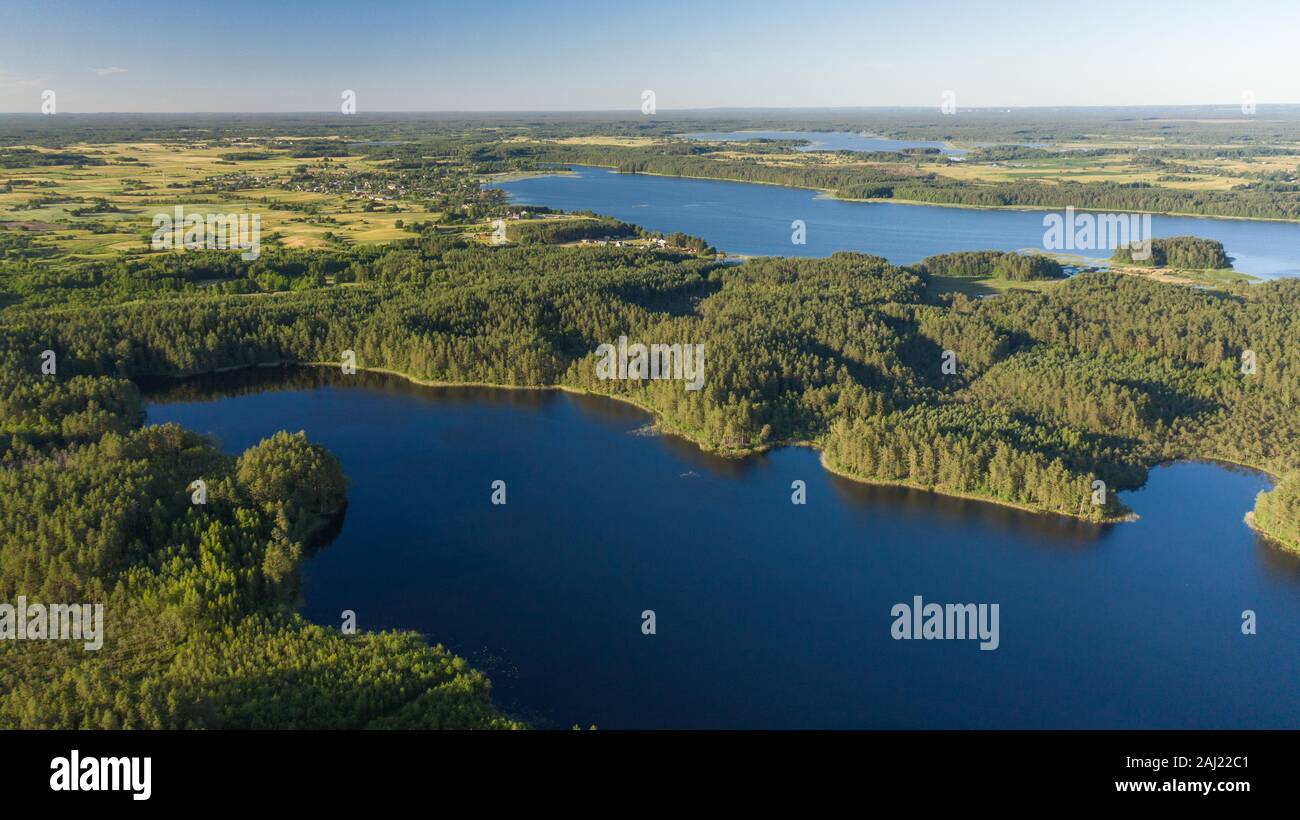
point(217, 386)
point(609, 411)
point(1277, 559)
point(722, 466)
point(1053, 530)
point(302, 378)
point(327, 532)
point(1049, 530)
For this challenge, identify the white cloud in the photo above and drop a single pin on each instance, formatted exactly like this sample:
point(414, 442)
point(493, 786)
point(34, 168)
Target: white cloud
point(8, 80)
point(104, 72)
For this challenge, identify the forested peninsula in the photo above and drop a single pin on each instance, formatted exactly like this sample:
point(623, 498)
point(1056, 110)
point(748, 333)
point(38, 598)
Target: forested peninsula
point(1051, 398)
point(1097, 379)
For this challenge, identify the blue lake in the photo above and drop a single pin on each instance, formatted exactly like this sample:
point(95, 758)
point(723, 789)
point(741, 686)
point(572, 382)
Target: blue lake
point(768, 614)
point(828, 140)
point(748, 219)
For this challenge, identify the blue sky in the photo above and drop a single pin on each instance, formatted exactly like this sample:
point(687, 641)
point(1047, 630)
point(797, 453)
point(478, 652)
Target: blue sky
point(285, 55)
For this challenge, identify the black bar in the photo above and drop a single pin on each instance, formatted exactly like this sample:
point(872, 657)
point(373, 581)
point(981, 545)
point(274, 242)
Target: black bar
point(250, 769)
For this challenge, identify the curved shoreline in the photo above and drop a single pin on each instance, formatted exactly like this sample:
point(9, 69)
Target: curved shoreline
point(744, 452)
point(911, 485)
point(1259, 529)
point(829, 193)
point(1280, 543)
point(659, 424)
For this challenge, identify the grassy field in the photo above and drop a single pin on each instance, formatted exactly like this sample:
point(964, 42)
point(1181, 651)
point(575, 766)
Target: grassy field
point(1201, 174)
point(986, 286)
point(604, 140)
point(1210, 278)
point(1219, 173)
point(143, 179)
point(139, 180)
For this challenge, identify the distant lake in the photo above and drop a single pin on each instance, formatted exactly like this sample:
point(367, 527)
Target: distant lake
point(751, 219)
point(768, 614)
point(828, 140)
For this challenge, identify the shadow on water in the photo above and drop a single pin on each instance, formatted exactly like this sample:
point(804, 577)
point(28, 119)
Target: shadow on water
point(210, 387)
point(1046, 529)
point(1277, 560)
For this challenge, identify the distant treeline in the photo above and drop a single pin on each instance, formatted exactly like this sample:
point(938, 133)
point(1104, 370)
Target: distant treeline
point(31, 158)
point(1006, 153)
point(246, 156)
point(1263, 198)
point(1172, 126)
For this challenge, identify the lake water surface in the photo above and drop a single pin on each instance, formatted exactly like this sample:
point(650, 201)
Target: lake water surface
point(749, 219)
point(768, 614)
point(828, 140)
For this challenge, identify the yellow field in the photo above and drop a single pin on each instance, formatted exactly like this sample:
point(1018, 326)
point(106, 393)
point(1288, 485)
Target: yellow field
point(1207, 174)
point(627, 142)
point(139, 177)
point(1203, 174)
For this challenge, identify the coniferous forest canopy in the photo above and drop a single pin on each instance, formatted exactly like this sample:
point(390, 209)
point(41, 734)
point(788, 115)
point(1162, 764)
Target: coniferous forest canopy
point(1098, 377)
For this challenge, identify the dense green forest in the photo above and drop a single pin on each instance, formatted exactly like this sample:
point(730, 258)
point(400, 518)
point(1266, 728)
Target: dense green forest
point(1017, 267)
point(199, 600)
point(1277, 512)
point(1097, 379)
point(558, 231)
point(1187, 252)
point(841, 351)
point(29, 158)
point(1029, 398)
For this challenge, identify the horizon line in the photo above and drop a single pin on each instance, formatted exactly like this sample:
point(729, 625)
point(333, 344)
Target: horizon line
point(637, 112)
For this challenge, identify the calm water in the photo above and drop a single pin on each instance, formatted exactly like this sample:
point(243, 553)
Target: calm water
point(828, 140)
point(750, 219)
point(769, 614)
